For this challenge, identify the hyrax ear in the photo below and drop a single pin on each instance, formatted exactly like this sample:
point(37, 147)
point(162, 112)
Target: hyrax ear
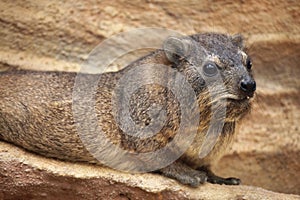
point(176, 49)
point(238, 41)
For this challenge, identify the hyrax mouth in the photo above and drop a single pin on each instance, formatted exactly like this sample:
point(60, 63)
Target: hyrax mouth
point(233, 97)
point(236, 106)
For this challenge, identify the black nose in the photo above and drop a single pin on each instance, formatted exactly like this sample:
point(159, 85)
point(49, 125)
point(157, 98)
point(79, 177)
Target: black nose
point(248, 86)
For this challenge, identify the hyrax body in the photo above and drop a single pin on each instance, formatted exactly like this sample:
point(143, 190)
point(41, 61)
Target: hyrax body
point(36, 107)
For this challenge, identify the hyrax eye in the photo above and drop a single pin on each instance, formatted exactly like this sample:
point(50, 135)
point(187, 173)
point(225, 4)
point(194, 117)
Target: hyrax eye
point(248, 63)
point(210, 69)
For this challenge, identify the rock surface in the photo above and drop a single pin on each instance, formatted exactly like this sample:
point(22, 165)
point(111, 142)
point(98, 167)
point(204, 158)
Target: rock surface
point(51, 35)
point(28, 176)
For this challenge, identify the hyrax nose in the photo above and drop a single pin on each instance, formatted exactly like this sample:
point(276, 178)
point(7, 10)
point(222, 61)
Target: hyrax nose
point(248, 86)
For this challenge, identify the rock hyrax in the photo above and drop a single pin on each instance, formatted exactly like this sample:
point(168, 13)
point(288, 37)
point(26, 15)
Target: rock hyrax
point(36, 107)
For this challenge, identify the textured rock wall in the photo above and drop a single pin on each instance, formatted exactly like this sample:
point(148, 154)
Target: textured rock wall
point(56, 35)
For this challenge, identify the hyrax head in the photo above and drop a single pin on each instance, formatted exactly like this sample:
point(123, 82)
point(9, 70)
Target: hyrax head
point(217, 67)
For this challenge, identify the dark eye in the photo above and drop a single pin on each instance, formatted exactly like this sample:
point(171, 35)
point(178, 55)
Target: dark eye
point(210, 69)
point(248, 63)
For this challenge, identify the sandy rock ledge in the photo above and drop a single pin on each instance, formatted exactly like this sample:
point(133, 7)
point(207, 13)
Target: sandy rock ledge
point(25, 175)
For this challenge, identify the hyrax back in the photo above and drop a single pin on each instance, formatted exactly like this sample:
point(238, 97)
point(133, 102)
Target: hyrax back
point(36, 107)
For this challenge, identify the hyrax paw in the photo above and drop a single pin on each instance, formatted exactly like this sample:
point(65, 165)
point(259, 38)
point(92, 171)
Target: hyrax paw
point(232, 181)
point(193, 179)
point(184, 174)
point(226, 181)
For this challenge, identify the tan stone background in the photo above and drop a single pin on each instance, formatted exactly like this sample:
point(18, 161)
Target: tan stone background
point(58, 35)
